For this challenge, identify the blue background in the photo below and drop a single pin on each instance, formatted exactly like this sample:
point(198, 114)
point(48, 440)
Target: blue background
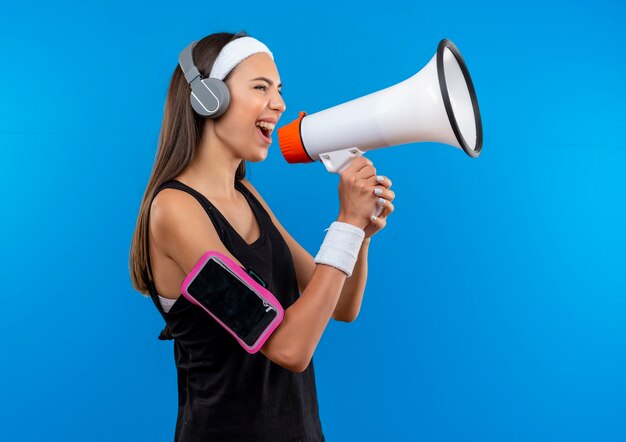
point(495, 307)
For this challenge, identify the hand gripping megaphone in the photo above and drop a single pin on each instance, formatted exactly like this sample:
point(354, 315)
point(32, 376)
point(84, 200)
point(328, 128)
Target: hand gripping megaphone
point(438, 104)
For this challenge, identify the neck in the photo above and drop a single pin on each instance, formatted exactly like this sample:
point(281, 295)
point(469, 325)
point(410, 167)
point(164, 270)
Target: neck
point(212, 170)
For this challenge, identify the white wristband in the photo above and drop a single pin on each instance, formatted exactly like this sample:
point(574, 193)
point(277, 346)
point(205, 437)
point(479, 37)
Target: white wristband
point(341, 246)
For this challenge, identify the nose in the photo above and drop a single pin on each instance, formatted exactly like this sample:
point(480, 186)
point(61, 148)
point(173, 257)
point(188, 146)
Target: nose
point(277, 103)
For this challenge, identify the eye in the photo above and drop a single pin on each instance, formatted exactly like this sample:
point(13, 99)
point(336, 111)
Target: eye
point(262, 87)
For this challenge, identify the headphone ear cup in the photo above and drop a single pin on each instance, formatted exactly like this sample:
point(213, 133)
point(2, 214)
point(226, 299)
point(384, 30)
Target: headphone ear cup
point(210, 97)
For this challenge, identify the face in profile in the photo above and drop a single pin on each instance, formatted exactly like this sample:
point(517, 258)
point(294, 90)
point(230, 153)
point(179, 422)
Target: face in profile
point(255, 107)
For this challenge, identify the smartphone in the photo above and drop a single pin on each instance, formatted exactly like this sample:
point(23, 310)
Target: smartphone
point(237, 301)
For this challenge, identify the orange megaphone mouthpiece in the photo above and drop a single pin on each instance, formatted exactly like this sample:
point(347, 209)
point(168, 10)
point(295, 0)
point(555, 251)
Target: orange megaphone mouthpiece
point(290, 141)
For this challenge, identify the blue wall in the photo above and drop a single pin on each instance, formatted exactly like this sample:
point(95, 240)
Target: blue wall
point(495, 308)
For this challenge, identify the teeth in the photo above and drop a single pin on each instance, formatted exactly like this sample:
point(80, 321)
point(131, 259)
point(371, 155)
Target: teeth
point(266, 125)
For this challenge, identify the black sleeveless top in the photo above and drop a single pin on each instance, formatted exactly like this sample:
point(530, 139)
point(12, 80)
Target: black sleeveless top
point(225, 393)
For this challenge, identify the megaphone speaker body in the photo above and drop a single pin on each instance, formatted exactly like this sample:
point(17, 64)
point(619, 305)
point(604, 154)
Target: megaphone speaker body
point(438, 104)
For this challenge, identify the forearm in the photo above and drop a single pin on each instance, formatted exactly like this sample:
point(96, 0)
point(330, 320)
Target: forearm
point(295, 341)
point(306, 319)
point(351, 297)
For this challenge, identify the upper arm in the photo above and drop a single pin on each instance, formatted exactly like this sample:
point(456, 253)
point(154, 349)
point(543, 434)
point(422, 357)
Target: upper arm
point(302, 260)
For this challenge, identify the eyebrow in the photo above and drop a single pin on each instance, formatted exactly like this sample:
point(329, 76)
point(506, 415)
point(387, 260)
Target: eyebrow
point(270, 82)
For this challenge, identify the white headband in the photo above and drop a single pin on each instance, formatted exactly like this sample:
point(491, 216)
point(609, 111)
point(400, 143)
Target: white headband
point(234, 53)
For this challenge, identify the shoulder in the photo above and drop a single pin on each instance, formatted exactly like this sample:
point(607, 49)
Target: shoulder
point(181, 229)
point(172, 209)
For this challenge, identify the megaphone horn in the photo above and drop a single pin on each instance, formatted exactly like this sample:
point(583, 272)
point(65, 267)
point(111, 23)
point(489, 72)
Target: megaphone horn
point(438, 104)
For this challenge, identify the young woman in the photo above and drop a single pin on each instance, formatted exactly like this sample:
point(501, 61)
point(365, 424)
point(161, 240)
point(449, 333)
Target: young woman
point(197, 200)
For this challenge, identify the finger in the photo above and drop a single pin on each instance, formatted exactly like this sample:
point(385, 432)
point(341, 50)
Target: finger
point(367, 173)
point(359, 163)
point(378, 221)
point(383, 192)
point(388, 208)
point(383, 180)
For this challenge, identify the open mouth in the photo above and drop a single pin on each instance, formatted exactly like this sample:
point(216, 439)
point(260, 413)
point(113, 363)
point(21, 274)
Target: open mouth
point(266, 128)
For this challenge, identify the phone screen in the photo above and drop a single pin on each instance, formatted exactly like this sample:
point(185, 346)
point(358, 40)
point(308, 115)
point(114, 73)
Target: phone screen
point(233, 302)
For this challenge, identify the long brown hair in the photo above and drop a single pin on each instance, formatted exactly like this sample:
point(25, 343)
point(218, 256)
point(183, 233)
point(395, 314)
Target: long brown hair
point(180, 135)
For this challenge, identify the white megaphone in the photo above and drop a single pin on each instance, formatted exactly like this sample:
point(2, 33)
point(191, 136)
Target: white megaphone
point(438, 104)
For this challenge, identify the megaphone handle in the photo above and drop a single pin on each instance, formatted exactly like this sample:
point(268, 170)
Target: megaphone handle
point(340, 160)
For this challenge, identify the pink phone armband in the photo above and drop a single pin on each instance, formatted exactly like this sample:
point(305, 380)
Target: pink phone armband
point(241, 305)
